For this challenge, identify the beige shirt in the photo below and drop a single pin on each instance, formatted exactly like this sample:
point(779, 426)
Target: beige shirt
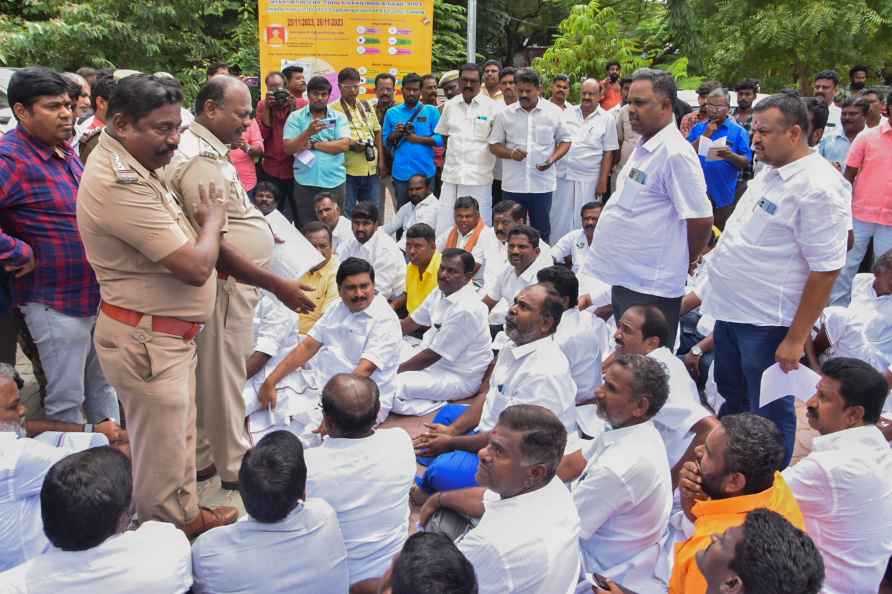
point(202, 159)
point(129, 221)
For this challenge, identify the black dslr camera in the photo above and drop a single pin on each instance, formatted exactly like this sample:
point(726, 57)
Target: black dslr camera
point(280, 97)
point(369, 147)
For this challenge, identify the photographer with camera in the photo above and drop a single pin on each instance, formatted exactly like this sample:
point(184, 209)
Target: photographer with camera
point(272, 112)
point(363, 163)
point(318, 137)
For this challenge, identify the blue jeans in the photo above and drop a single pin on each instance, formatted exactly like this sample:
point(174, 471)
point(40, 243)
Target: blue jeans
point(537, 206)
point(359, 188)
point(742, 353)
point(882, 242)
point(452, 470)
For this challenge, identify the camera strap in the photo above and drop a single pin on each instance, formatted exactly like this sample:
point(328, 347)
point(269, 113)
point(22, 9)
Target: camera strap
point(364, 110)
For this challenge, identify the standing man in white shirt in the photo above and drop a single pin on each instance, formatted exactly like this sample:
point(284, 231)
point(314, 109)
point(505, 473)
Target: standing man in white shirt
point(526, 539)
point(530, 369)
point(771, 274)
point(287, 543)
point(329, 214)
point(530, 138)
point(509, 96)
point(472, 234)
point(583, 173)
point(358, 334)
point(422, 207)
point(364, 474)
point(456, 348)
point(661, 194)
point(621, 484)
point(85, 505)
point(573, 249)
point(378, 249)
point(826, 82)
point(682, 421)
point(465, 124)
point(844, 486)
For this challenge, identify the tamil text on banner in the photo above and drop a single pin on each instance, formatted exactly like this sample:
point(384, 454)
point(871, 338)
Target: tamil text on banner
point(324, 36)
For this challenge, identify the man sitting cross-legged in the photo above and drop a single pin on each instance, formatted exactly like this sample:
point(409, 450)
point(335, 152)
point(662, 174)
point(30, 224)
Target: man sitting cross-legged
point(737, 471)
point(85, 504)
point(359, 333)
point(530, 369)
point(453, 356)
point(526, 539)
point(622, 487)
point(287, 542)
point(472, 234)
point(365, 474)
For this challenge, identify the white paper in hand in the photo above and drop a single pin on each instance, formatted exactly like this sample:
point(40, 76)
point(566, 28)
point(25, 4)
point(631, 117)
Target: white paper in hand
point(776, 384)
point(294, 256)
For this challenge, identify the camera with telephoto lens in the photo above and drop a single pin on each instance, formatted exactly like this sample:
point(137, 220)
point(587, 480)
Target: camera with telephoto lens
point(280, 96)
point(369, 147)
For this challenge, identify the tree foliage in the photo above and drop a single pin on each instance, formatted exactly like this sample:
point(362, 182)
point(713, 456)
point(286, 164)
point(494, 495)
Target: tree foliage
point(450, 26)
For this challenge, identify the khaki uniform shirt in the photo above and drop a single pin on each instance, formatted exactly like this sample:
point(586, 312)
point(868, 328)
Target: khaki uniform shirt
point(202, 159)
point(129, 221)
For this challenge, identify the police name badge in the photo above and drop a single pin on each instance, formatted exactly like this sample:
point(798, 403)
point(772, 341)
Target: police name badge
point(123, 173)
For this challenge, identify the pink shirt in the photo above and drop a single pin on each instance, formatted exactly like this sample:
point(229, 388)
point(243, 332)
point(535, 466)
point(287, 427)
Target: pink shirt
point(244, 163)
point(871, 153)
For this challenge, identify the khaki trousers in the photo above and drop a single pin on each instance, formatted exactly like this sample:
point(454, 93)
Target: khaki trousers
point(223, 348)
point(154, 376)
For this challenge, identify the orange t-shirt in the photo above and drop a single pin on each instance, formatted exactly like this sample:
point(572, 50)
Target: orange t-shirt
point(717, 515)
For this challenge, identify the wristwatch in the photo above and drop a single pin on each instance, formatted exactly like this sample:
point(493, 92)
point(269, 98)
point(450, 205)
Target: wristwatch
point(312, 145)
point(696, 351)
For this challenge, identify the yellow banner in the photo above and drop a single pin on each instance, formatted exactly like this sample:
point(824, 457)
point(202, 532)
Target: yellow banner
point(324, 36)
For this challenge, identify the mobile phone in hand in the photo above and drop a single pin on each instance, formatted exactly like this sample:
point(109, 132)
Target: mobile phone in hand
point(600, 581)
point(330, 122)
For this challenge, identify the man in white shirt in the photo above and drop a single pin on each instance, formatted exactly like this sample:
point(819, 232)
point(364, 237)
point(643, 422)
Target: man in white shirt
point(583, 338)
point(472, 234)
point(466, 123)
point(359, 333)
point(682, 421)
point(530, 138)
point(422, 207)
point(582, 174)
point(364, 474)
point(509, 96)
point(85, 505)
point(287, 542)
point(456, 348)
point(526, 539)
point(621, 483)
point(844, 486)
point(826, 82)
point(530, 369)
point(659, 219)
point(523, 264)
point(378, 249)
point(573, 249)
point(772, 271)
point(329, 214)
point(24, 463)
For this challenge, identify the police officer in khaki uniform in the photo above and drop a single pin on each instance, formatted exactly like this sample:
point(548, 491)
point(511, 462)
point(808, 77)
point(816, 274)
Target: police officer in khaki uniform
point(157, 281)
point(223, 109)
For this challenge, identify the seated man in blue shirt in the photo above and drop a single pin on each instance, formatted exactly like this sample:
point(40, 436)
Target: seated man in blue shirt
point(318, 137)
point(722, 165)
point(409, 134)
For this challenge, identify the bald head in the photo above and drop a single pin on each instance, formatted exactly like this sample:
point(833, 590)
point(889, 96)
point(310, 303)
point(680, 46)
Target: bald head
point(223, 106)
point(589, 95)
point(349, 405)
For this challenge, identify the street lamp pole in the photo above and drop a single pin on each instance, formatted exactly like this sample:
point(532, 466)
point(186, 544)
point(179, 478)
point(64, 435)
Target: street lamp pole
point(472, 31)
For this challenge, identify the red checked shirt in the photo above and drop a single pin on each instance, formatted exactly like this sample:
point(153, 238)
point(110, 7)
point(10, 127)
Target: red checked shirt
point(276, 162)
point(38, 193)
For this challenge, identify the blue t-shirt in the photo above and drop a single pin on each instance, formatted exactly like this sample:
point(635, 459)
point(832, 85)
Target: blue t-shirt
point(327, 170)
point(721, 176)
point(411, 158)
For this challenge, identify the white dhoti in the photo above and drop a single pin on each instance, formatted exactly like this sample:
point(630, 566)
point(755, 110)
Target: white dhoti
point(421, 392)
point(450, 192)
point(566, 202)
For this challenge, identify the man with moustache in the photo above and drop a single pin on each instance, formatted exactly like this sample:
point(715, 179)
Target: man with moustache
point(573, 248)
point(41, 249)
point(508, 96)
point(358, 334)
point(158, 285)
point(611, 88)
point(746, 96)
point(492, 78)
point(465, 125)
point(844, 486)
point(530, 369)
point(223, 109)
point(328, 212)
point(470, 233)
point(583, 172)
point(376, 247)
point(560, 88)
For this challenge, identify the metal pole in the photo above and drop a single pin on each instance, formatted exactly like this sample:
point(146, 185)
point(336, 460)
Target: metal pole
point(472, 31)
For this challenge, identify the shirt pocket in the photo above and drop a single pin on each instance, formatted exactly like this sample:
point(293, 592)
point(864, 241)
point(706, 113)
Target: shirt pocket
point(627, 197)
point(753, 231)
point(480, 128)
point(544, 135)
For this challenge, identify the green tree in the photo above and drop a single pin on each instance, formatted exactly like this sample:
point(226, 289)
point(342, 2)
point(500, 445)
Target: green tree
point(450, 27)
point(782, 42)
